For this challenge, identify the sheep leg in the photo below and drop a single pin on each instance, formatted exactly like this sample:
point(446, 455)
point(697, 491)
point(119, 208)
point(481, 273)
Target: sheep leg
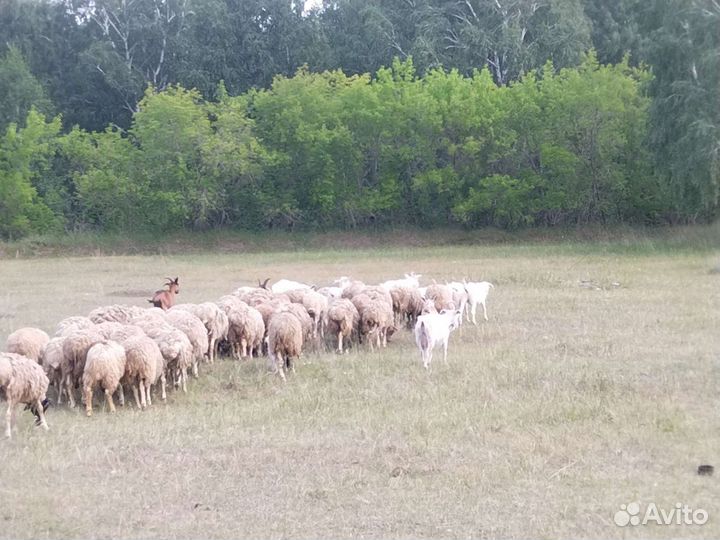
point(136, 394)
point(143, 399)
point(163, 382)
point(121, 396)
point(195, 371)
point(148, 398)
point(41, 414)
point(88, 400)
point(69, 387)
point(211, 350)
point(109, 399)
point(9, 419)
point(183, 379)
point(340, 340)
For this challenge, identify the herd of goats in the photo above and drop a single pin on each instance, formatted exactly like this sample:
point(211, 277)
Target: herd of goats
point(140, 348)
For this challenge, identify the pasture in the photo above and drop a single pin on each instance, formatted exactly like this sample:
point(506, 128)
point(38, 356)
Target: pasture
point(595, 383)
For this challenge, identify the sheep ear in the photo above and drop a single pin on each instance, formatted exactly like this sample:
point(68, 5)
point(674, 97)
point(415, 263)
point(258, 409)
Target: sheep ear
point(177, 281)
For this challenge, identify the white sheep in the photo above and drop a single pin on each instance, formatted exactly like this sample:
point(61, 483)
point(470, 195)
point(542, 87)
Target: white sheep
point(143, 357)
point(72, 324)
point(75, 348)
point(477, 294)
point(411, 280)
point(24, 382)
point(343, 318)
point(441, 295)
point(195, 331)
point(28, 342)
point(174, 346)
point(285, 341)
point(51, 362)
point(214, 320)
point(105, 365)
point(434, 329)
point(115, 313)
point(460, 295)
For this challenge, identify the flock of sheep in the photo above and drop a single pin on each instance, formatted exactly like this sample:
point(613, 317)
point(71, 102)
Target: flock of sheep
point(140, 348)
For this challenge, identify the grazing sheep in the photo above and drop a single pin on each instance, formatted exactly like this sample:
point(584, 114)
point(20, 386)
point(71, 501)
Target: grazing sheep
point(174, 346)
point(434, 329)
point(477, 294)
point(214, 320)
point(75, 348)
point(194, 330)
point(343, 319)
point(164, 299)
point(28, 342)
point(115, 313)
point(353, 289)
point(441, 295)
point(143, 357)
point(105, 366)
point(285, 341)
point(24, 382)
point(51, 362)
point(407, 304)
point(460, 295)
point(285, 285)
point(72, 324)
point(376, 322)
point(303, 316)
point(331, 293)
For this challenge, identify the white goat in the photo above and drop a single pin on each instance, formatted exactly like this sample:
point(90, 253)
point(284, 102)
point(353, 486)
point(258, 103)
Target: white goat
point(477, 294)
point(411, 280)
point(434, 329)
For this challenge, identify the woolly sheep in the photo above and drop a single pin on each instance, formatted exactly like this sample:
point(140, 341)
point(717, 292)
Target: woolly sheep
point(194, 330)
point(407, 304)
point(214, 320)
point(376, 322)
point(143, 358)
point(105, 366)
point(441, 295)
point(28, 342)
point(285, 341)
point(303, 316)
point(115, 313)
point(317, 306)
point(75, 348)
point(24, 382)
point(246, 328)
point(72, 324)
point(343, 319)
point(51, 362)
point(460, 295)
point(410, 280)
point(353, 289)
point(174, 346)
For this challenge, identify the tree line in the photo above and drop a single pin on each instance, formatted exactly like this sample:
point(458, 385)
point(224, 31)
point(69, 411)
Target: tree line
point(131, 115)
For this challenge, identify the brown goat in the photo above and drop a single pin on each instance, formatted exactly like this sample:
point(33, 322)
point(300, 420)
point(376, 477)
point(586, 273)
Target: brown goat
point(166, 298)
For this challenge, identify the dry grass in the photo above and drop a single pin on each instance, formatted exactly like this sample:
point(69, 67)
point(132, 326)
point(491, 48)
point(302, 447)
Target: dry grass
point(594, 384)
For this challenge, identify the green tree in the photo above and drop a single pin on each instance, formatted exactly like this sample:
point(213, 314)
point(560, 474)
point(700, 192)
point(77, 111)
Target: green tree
point(19, 91)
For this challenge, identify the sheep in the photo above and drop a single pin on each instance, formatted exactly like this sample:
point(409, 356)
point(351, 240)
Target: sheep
point(105, 365)
point(164, 299)
point(285, 341)
point(253, 295)
point(434, 329)
point(343, 319)
point(315, 304)
point(353, 289)
point(331, 293)
point(477, 294)
point(28, 342)
point(376, 322)
point(442, 295)
point(24, 382)
point(115, 313)
point(143, 358)
point(303, 316)
point(119, 332)
point(51, 362)
point(460, 295)
point(407, 304)
point(72, 324)
point(214, 320)
point(75, 348)
point(244, 324)
point(174, 346)
point(194, 330)
point(285, 285)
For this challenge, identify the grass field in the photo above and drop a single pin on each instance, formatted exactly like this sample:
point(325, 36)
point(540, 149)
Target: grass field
point(595, 383)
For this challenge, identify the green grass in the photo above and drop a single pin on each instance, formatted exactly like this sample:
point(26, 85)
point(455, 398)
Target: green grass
point(593, 384)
